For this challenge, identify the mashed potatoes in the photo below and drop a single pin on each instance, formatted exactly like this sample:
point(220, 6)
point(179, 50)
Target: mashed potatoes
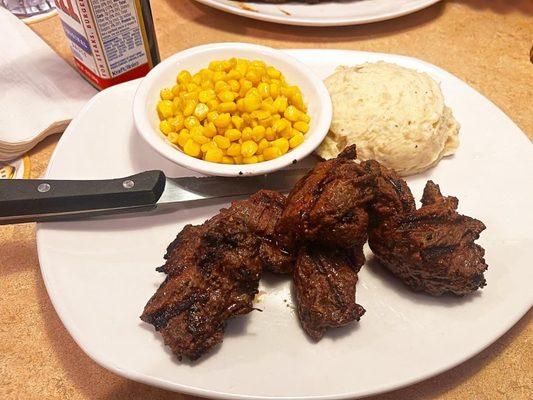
point(394, 115)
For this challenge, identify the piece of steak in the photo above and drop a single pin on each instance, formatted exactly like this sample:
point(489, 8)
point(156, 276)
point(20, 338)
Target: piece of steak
point(328, 206)
point(324, 282)
point(431, 249)
point(213, 272)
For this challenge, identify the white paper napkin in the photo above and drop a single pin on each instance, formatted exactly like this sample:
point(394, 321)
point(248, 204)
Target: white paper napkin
point(39, 92)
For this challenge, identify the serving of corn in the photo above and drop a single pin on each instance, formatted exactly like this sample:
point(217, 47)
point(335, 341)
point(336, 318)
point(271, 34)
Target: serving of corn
point(235, 111)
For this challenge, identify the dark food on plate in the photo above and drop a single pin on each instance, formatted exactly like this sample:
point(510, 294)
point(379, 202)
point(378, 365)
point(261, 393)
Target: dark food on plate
point(328, 205)
point(213, 269)
point(213, 272)
point(431, 249)
point(324, 282)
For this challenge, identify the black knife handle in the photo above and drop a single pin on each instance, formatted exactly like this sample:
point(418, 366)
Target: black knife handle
point(38, 198)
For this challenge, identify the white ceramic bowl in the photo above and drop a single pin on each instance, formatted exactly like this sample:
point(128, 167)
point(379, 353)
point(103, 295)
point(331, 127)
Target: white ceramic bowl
point(163, 75)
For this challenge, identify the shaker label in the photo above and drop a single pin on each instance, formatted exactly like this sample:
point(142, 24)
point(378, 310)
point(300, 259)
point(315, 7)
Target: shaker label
point(106, 39)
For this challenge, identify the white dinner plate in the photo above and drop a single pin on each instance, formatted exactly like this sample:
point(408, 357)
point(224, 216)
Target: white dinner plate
point(99, 274)
point(330, 13)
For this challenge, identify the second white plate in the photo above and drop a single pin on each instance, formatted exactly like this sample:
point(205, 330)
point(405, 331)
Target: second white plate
point(99, 274)
point(330, 13)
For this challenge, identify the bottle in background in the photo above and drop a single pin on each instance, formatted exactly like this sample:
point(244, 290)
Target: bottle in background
point(112, 41)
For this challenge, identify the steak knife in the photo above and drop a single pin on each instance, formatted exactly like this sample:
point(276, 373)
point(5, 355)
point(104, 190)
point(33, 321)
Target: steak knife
point(41, 200)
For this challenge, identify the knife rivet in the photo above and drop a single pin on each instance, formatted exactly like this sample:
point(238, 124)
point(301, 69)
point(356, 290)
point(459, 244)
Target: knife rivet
point(128, 184)
point(43, 188)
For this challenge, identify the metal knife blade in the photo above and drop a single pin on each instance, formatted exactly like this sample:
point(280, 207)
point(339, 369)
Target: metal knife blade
point(178, 190)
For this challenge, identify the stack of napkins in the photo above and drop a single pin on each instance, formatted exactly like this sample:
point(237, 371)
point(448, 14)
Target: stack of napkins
point(39, 92)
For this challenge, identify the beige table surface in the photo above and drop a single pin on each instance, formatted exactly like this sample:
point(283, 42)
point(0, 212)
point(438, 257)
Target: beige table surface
point(485, 43)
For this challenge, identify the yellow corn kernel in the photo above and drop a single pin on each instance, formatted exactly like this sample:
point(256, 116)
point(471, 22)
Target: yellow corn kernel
point(248, 148)
point(252, 102)
point(233, 134)
point(245, 85)
point(214, 155)
point(260, 114)
point(192, 87)
point(263, 144)
point(223, 120)
point(282, 144)
point(184, 77)
point(267, 122)
point(281, 103)
point(296, 140)
point(166, 94)
point(201, 111)
point(205, 95)
point(226, 96)
point(183, 137)
point(258, 133)
point(240, 105)
point(274, 90)
point(298, 101)
point(234, 149)
point(234, 74)
point(242, 66)
point(189, 96)
point(206, 73)
point(177, 122)
point(271, 152)
point(238, 159)
point(189, 108)
point(270, 134)
point(190, 122)
point(212, 116)
point(173, 137)
point(229, 64)
point(197, 134)
point(260, 158)
point(250, 160)
point(301, 126)
point(246, 119)
point(165, 109)
point(266, 106)
point(215, 65)
point(176, 90)
point(226, 107)
point(210, 130)
point(219, 76)
point(281, 125)
point(221, 86)
point(246, 134)
point(222, 141)
point(288, 133)
point(197, 79)
point(165, 127)
point(176, 101)
point(292, 113)
point(227, 160)
point(207, 84)
point(207, 146)
point(304, 117)
point(264, 90)
point(234, 85)
point(253, 76)
point(213, 104)
point(289, 91)
point(192, 148)
point(273, 72)
point(237, 121)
